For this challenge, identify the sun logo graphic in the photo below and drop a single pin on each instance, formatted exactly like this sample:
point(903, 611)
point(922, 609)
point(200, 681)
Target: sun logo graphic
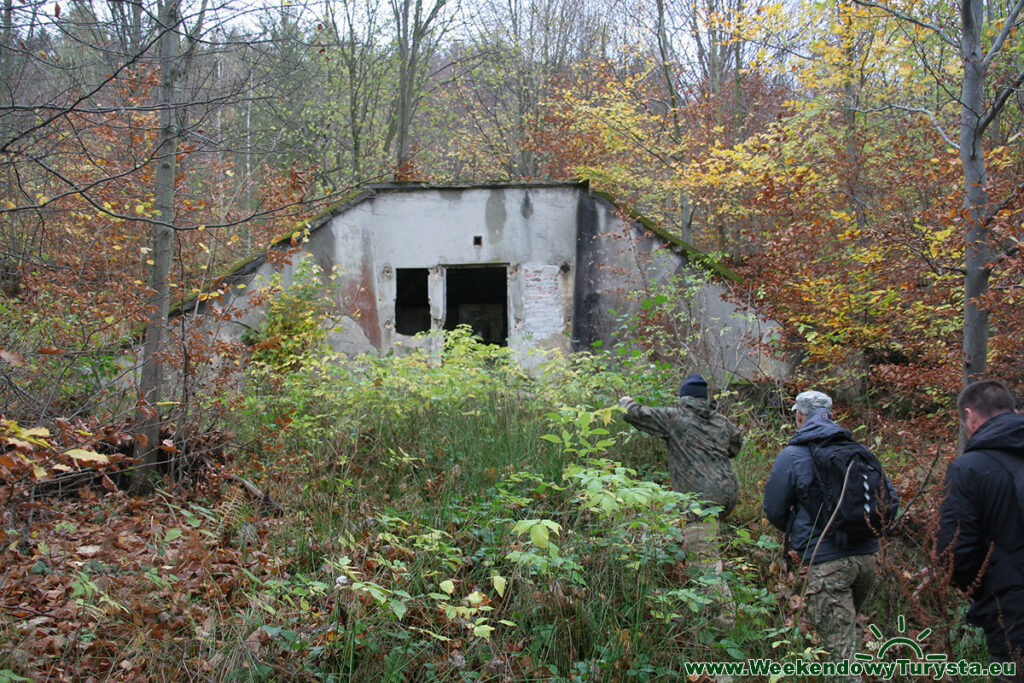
point(903, 656)
point(907, 648)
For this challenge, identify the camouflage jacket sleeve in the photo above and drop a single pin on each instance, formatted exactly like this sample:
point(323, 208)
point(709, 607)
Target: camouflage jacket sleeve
point(651, 420)
point(699, 444)
point(735, 437)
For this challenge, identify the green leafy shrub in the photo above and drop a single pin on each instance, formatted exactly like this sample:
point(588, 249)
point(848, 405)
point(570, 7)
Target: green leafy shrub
point(470, 514)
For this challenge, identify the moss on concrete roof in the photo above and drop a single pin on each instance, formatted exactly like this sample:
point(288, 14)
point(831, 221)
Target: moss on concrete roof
point(686, 248)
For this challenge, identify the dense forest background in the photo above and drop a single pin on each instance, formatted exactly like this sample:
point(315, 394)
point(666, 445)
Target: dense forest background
point(860, 164)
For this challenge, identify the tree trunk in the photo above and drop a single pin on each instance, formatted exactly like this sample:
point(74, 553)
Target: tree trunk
point(685, 208)
point(851, 104)
point(406, 75)
point(978, 254)
point(418, 32)
point(148, 415)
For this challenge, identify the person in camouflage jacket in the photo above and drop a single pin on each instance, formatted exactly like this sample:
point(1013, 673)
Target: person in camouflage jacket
point(700, 441)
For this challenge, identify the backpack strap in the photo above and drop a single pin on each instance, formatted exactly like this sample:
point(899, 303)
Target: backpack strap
point(817, 492)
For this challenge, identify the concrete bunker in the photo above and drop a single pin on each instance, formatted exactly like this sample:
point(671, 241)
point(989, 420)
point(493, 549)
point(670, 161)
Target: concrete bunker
point(547, 267)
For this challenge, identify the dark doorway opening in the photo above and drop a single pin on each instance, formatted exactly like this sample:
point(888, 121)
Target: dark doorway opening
point(478, 296)
point(412, 305)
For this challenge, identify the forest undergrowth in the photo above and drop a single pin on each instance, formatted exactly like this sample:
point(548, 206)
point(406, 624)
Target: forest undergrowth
point(437, 516)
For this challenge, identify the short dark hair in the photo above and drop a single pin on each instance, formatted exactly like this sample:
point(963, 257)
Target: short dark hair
point(988, 398)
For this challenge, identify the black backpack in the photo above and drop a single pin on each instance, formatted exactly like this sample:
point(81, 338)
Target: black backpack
point(863, 503)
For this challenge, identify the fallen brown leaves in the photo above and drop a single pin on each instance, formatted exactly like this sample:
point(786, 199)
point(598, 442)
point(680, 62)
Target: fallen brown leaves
point(97, 584)
point(111, 587)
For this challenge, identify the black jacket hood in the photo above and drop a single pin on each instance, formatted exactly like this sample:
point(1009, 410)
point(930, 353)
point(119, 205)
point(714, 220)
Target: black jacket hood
point(1004, 432)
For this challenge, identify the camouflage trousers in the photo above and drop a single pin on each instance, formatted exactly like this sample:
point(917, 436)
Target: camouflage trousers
point(702, 539)
point(836, 591)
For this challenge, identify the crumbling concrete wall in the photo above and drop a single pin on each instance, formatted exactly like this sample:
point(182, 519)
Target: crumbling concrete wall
point(569, 260)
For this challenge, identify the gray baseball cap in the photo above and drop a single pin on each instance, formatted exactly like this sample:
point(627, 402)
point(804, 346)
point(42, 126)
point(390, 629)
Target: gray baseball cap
point(809, 401)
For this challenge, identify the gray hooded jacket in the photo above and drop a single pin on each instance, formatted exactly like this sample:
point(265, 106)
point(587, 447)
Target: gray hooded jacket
point(785, 495)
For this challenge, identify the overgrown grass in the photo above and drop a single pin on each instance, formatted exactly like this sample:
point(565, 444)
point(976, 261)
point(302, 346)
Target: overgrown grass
point(448, 517)
point(474, 522)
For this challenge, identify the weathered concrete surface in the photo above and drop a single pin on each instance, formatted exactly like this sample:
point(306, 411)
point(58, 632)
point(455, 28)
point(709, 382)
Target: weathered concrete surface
point(568, 257)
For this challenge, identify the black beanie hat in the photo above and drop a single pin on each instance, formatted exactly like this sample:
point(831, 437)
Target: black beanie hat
point(694, 386)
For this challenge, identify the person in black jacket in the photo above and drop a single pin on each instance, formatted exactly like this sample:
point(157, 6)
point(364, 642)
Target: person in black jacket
point(839, 576)
point(981, 527)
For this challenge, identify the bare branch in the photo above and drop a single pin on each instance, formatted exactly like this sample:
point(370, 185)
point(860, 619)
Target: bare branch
point(1004, 33)
point(1000, 101)
point(915, 110)
point(997, 208)
point(906, 17)
point(110, 78)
